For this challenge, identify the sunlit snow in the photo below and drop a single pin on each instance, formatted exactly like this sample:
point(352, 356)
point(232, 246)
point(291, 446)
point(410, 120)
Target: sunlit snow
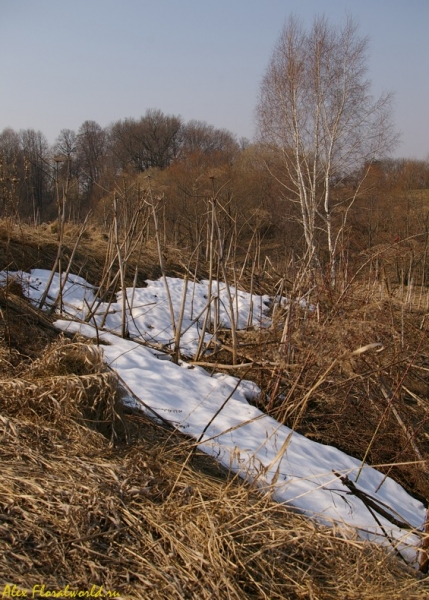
point(296, 471)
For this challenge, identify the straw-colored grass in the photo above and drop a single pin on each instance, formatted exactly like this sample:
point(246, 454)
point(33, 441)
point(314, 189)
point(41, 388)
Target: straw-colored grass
point(91, 496)
point(27, 247)
point(372, 405)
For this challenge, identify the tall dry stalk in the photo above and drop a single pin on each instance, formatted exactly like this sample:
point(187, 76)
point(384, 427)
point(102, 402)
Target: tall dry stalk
point(153, 208)
point(122, 267)
point(210, 246)
point(228, 290)
point(64, 277)
point(61, 212)
point(176, 349)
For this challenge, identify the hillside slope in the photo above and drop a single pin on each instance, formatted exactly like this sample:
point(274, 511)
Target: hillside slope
point(95, 494)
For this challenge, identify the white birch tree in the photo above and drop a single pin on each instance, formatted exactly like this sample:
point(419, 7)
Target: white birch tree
point(317, 114)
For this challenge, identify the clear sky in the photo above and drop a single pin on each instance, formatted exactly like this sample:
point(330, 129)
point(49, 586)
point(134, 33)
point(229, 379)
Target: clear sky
point(65, 61)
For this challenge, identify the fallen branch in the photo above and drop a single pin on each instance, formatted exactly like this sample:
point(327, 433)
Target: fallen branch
point(372, 503)
point(200, 363)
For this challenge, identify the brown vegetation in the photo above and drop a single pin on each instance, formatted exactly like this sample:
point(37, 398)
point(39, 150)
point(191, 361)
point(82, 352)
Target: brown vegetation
point(91, 495)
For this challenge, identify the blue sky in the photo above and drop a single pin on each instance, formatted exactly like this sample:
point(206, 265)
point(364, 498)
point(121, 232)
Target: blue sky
point(63, 62)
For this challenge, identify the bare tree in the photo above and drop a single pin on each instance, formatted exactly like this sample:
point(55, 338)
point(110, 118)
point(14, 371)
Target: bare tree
point(200, 137)
point(317, 114)
point(91, 148)
point(11, 172)
point(161, 135)
point(152, 141)
point(68, 170)
point(39, 177)
point(126, 144)
point(66, 144)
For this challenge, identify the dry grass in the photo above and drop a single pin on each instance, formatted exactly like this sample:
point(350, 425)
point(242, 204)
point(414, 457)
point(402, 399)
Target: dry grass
point(93, 495)
point(374, 404)
point(77, 512)
point(26, 247)
point(90, 496)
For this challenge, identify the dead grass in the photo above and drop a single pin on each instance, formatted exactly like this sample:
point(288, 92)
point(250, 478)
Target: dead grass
point(90, 496)
point(26, 247)
point(93, 495)
point(75, 511)
point(372, 405)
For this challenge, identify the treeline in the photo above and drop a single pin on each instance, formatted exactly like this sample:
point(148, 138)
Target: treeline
point(185, 164)
point(94, 157)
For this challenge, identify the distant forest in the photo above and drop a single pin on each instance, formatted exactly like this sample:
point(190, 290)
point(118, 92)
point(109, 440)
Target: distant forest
point(186, 164)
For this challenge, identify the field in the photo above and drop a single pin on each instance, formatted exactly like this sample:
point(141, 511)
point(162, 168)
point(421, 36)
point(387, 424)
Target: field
point(96, 493)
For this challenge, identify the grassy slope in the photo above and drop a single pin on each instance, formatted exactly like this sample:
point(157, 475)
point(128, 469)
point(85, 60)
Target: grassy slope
point(90, 495)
